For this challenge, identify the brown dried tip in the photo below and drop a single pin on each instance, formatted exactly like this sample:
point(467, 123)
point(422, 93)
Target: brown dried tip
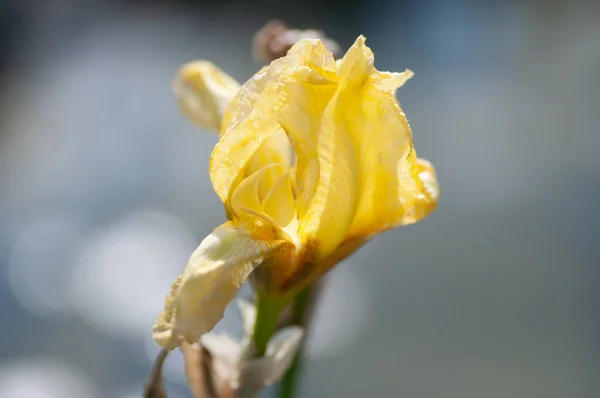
point(274, 40)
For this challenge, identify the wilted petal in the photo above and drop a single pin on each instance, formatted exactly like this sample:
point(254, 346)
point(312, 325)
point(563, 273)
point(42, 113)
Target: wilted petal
point(204, 92)
point(212, 278)
point(282, 350)
point(222, 345)
point(234, 364)
point(255, 373)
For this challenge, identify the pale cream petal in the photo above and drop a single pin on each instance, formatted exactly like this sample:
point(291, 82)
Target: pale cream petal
point(252, 115)
point(212, 278)
point(204, 92)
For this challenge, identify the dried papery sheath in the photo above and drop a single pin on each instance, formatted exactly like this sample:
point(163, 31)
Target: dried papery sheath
point(233, 367)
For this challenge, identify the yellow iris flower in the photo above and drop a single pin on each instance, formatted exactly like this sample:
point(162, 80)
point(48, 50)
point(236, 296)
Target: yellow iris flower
point(315, 157)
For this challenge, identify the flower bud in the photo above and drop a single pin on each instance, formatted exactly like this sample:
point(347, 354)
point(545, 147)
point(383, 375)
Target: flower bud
point(204, 92)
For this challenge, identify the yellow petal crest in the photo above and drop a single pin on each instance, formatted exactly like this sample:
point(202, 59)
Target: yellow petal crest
point(204, 92)
point(212, 278)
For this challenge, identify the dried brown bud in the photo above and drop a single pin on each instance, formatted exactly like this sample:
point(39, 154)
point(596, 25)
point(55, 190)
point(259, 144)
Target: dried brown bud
point(274, 40)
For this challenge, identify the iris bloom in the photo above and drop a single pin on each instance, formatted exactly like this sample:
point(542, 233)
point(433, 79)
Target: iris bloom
point(315, 157)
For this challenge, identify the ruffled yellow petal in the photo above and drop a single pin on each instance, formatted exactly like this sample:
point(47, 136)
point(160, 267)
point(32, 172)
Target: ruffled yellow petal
point(356, 168)
point(304, 97)
point(212, 278)
point(333, 206)
point(204, 92)
point(252, 116)
point(392, 191)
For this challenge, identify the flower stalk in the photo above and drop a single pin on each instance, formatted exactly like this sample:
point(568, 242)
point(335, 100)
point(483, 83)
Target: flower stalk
point(269, 310)
point(301, 312)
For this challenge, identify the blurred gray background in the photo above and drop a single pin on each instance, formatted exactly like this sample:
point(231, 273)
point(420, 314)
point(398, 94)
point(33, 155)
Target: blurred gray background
point(104, 192)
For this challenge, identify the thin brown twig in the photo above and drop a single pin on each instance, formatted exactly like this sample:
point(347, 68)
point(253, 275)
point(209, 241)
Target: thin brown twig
point(154, 386)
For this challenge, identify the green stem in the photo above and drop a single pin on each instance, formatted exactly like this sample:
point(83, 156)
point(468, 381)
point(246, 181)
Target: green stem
point(268, 311)
point(300, 315)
